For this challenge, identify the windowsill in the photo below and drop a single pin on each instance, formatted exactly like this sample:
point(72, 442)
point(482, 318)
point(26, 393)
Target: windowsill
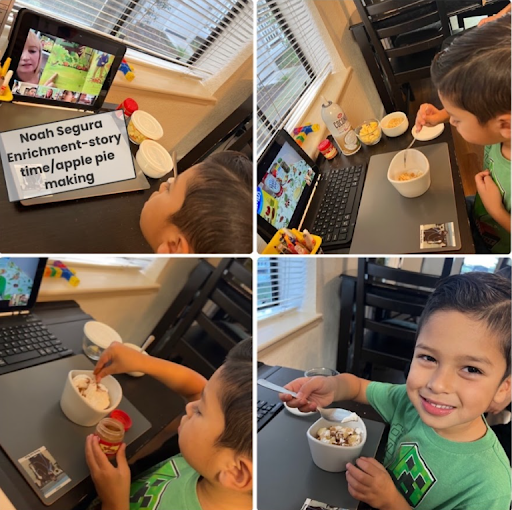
point(95, 280)
point(164, 78)
point(276, 329)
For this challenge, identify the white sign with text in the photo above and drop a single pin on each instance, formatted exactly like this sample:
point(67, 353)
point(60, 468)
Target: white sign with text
point(67, 155)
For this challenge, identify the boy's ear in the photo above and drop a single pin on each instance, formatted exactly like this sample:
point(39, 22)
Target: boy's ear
point(503, 396)
point(174, 242)
point(504, 125)
point(237, 475)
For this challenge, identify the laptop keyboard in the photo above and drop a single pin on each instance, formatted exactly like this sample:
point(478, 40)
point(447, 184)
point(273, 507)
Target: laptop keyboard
point(336, 216)
point(27, 344)
point(266, 412)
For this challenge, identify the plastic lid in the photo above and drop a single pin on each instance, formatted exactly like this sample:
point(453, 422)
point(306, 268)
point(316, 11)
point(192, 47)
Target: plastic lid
point(147, 125)
point(100, 334)
point(324, 144)
point(122, 417)
point(130, 106)
point(156, 160)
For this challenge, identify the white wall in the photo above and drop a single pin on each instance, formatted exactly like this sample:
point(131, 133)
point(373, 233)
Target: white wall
point(316, 345)
point(134, 315)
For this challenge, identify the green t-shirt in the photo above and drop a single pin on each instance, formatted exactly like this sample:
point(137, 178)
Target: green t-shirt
point(170, 485)
point(495, 237)
point(433, 473)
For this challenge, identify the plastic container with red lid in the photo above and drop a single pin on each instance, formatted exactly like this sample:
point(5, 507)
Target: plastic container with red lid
point(327, 149)
point(128, 106)
point(123, 417)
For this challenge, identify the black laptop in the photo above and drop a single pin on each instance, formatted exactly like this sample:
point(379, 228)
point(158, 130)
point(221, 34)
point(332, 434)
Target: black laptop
point(24, 339)
point(294, 193)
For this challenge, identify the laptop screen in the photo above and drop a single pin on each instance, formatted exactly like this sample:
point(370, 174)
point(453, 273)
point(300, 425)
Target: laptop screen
point(286, 176)
point(20, 279)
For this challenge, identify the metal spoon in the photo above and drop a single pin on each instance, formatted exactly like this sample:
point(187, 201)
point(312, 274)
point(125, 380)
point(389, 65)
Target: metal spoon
point(327, 414)
point(408, 147)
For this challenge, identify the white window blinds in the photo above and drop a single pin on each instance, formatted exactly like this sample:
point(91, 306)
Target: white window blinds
point(200, 35)
point(291, 58)
point(281, 284)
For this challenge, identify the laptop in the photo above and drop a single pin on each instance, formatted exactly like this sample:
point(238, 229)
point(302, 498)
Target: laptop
point(24, 339)
point(294, 193)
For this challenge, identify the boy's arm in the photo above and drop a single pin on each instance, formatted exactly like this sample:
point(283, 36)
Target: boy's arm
point(492, 199)
point(119, 359)
point(351, 387)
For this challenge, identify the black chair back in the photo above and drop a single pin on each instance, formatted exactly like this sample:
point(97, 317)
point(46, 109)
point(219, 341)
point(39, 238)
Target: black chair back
point(211, 314)
point(405, 37)
point(389, 302)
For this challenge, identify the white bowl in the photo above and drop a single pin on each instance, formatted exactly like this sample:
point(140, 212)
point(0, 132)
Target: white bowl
point(398, 130)
point(416, 162)
point(154, 159)
point(78, 410)
point(135, 348)
point(330, 457)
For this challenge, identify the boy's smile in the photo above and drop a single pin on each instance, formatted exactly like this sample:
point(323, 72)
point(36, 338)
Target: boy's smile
point(455, 374)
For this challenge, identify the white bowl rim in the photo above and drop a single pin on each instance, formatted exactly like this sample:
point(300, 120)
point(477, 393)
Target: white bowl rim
point(392, 114)
point(360, 420)
point(86, 372)
point(390, 179)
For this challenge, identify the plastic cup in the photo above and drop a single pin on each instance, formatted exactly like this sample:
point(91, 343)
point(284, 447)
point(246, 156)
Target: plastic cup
point(97, 337)
point(154, 160)
point(143, 126)
point(326, 372)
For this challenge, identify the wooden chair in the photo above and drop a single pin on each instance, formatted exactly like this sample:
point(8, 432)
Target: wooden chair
point(405, 36)
point(210, 315)
point(389, 302)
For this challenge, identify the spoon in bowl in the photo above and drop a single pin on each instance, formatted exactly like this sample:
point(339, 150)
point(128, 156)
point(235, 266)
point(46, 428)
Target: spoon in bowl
point(408, 147)
point(328, 414)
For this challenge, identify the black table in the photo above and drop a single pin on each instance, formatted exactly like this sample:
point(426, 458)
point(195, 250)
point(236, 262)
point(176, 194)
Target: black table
point(387, 144)
point(321, 480)
point(66, 320)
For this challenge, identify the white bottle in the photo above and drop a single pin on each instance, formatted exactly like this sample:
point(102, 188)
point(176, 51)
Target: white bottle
point(340, 128)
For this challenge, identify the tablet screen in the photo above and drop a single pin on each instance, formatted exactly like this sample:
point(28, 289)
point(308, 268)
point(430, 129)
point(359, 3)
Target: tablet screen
point(57, 69)
point(59, 64)
point(282, 186)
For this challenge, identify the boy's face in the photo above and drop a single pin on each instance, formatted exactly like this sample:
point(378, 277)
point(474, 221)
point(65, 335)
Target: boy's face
point(455, 374)
point(201, 427)
point(154, 218)
point(470, 129)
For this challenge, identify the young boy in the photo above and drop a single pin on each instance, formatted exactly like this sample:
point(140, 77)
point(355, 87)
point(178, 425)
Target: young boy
point(214, 468)
point(206, 209)
point(472, 77)
point(441, 454)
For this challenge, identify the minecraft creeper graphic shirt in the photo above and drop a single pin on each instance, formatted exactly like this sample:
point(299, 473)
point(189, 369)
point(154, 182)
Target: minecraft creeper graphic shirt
point(170, 485)
point(433, 473)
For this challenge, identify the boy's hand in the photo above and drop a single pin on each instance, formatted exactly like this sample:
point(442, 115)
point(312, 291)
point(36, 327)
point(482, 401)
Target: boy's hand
point(370, 482)
point(428, 115)
point(112, 483)
point(489, 193)
point(312, 392)
point(118, 359)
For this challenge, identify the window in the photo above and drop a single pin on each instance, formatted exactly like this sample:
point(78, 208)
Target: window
point(483, 263)
point(291, 59)
point(182, 31)
point(281, 285)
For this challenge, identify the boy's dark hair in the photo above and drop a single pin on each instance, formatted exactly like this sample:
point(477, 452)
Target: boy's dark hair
point(236, 399)
point(217, 213)
point(474, 71)
point(481, 296)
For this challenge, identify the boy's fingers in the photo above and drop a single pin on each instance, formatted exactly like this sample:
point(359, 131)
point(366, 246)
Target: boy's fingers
point(358, 475)
point(374, 463)
point(355, 483)
point(89, 456)
point(99, 457)
point(367, 467)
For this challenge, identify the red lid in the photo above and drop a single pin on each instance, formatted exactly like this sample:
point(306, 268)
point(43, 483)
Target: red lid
point(122, 417)
point(324, 145)
point(130, 106)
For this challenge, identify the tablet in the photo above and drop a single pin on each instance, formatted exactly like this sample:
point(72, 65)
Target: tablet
point(58, 64)
point(286, 180)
